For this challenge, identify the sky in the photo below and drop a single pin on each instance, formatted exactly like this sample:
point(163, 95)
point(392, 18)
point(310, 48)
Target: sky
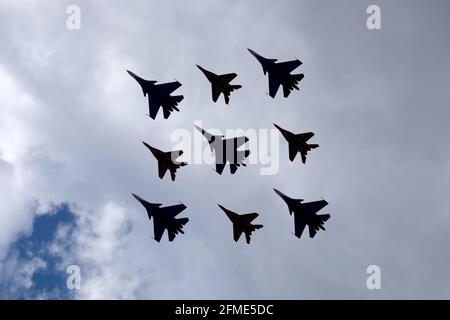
point(72, 121)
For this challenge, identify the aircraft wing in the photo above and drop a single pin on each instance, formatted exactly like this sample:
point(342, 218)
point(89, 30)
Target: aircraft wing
point(220, 167)
point(153, 107)
point(171, 235)
point(303, 157)
point(288, 66)
point(215, 92)
point(237, 141)
point(173, 211)
point(169, 87)
point(162, 169)
point(247, 237)
point(249, 217)
point(233, 168)
point(158, 228)
point(227, 77)
point(226, 96)
point(292, 151)
point(274, 84)
point(237, 231)
point(299, 224)
point(175, 154)
point(313, 207)
point(312, 232)
point(286, 91)
point(305, 136)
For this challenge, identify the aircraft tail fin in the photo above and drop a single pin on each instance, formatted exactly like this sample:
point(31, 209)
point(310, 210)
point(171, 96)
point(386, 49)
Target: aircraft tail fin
point(324, 217)
point(313, 146)
point(258, 226)
point(235, 86)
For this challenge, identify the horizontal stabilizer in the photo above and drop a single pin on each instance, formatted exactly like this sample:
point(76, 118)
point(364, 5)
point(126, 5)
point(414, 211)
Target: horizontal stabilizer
point(183, 221)
point(178, 98)
point(298, 77)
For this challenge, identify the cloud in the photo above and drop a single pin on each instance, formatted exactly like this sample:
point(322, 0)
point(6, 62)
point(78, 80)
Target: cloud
point(72, 121)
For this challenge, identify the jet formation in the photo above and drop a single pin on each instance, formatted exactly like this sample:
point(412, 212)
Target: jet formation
point(228, 150)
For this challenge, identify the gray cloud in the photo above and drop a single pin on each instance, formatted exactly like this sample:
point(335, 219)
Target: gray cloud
point(376, 99)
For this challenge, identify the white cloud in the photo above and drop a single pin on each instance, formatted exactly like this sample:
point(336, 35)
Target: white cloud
point(72, 120)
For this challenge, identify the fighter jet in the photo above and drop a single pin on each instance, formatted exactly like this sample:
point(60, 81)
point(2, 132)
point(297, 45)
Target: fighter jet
point(305, 214)
point(164, 218)
point(159, 95)
point(221, 84)
point(166, 161)
point(226, 150)
point(297, 143)
point(280, 74)
point(242, 223)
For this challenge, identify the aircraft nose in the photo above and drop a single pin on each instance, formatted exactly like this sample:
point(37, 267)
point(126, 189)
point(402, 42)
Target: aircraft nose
point(199, 129)
point(278, 193)
point(253, 52)
point(283, 131)
point(156, 152)
point(136, 197)
point(132, 75)
point(147, 145)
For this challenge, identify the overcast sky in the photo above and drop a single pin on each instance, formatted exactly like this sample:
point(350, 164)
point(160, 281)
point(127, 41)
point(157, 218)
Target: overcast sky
point(72, 121)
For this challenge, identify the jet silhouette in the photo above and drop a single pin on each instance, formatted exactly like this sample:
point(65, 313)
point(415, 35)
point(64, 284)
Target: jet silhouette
point(305, 214)
point(226, 151)
point(297, 143)
point(221, 84)
point(166, 161)
point(280, 74)
point(242, 223)
point(159, 96)
point(164, 218)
